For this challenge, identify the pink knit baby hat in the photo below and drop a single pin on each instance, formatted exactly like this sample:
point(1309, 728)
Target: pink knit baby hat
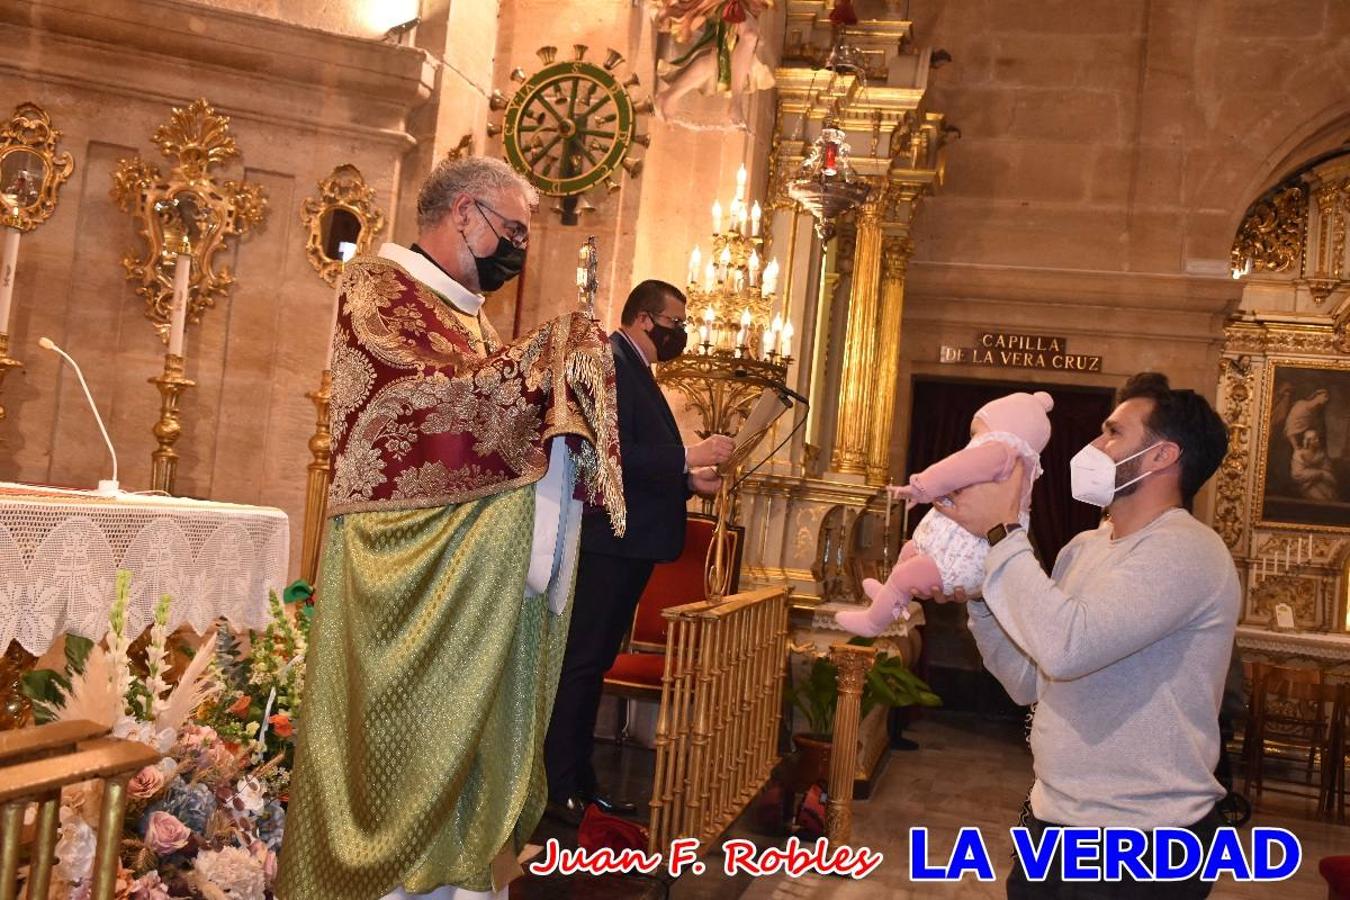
point(1021, 414)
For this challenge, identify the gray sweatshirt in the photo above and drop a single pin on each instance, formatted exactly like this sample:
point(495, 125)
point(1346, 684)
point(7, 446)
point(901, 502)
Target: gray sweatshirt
point(1124, 650)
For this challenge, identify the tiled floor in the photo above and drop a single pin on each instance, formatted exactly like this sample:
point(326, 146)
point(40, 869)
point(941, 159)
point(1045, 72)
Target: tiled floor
point(968, 771)
point(974, 772)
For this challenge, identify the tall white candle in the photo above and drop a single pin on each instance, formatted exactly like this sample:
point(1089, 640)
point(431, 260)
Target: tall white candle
point(694, 266)
point(709, 277)
point(786, 344)
point(768, 343)
point(717, 216)
point(740, 182)
point(752, 264)
point(9, 264)
point(755, 215)
point(770, 277)
point(182, 271)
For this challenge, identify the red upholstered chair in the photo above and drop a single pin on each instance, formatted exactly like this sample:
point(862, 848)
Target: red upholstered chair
point(1336, 871)
point(636, 674)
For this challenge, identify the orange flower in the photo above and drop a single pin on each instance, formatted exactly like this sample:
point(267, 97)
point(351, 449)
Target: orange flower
point(281, 724)
point(240, 706)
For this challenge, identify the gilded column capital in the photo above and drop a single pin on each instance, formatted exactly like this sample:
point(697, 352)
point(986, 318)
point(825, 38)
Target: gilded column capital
point(853, 663)
point(895, 254)
point(872, 209)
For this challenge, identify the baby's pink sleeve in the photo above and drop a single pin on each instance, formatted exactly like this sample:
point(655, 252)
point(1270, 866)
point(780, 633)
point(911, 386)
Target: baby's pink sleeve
point(973, 465)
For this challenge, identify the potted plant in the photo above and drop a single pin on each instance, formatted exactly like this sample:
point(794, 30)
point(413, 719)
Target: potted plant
point(889, 683)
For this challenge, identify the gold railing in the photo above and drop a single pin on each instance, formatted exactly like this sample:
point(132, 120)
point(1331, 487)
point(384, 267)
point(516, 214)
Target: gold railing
point(35, 764)
point(717, 733)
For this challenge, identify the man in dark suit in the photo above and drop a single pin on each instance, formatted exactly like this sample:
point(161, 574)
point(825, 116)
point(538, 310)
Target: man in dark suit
point(659, 475)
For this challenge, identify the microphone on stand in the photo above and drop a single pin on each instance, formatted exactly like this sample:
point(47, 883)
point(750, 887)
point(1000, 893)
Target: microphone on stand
point(105, 488)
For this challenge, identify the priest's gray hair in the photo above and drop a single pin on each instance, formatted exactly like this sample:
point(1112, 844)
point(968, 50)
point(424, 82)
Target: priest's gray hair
point(477, 176)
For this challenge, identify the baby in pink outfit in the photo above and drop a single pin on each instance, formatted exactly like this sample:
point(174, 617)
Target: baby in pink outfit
point(943, 555)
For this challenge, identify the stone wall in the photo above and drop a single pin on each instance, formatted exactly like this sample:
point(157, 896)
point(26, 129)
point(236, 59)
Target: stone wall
point(1107, 153)
point(301, 101)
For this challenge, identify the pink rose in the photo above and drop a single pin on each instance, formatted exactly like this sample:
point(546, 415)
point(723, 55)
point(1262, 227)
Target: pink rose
point(165, 834)
point(150, 887)
point(267, 857)
point(147, 783)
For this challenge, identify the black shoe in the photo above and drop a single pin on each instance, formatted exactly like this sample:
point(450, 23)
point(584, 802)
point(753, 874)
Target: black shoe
point(613, 806)
point(570, 811)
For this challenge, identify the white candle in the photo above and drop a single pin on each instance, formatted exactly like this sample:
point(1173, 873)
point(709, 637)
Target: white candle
point(740, 182)
point(740, 339)
point(9, 263)
point(786, 344)
point(738, 280)
point(768, 343)
point(755, 214)
point(703, 334)
point(770, 277)
point(745, 317)
point(717, 216)
point(182, 271)
point(709, 278)
point(724, 260)
point(694, 265)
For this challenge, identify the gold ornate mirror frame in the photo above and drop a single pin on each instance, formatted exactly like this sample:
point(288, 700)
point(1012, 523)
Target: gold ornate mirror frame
point(343, 192)
point(187, 211)
point(27, 199)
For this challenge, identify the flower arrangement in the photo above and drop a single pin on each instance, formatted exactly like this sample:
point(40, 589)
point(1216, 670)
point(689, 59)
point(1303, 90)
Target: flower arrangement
point(206, 822)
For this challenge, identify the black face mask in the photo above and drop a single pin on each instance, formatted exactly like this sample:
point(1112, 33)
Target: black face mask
point(505, 263)
point(669, 342)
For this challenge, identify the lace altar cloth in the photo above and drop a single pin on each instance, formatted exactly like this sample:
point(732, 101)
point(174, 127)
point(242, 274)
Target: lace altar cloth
point(60, 551)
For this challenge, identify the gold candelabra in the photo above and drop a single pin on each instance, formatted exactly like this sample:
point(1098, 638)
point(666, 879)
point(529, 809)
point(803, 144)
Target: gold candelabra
point(6, 364)
point(743, 344)
point(316, 491)
point(164, 460)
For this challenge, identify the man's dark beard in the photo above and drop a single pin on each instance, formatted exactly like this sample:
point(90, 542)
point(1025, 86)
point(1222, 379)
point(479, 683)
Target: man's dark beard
point(1129, 471)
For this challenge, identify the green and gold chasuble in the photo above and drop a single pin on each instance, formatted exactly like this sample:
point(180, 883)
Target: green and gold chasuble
point(431, 668)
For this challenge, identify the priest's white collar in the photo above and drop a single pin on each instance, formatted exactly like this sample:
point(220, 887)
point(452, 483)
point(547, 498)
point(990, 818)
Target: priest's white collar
point(430, 274)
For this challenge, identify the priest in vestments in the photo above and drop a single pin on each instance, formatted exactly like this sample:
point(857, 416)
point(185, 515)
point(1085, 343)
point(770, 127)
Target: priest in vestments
point(460, 467)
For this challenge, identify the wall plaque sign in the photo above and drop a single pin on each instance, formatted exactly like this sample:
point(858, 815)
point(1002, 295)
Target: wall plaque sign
point(1008, 350)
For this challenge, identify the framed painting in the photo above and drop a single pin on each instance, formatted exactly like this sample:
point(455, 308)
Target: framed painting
point(1304, 471)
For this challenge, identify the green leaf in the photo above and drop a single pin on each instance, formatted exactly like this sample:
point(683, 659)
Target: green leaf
point(77, 653)
point(46, 689)
point(297, 591)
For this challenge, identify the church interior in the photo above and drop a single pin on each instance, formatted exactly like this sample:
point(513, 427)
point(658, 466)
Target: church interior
point(884, 214)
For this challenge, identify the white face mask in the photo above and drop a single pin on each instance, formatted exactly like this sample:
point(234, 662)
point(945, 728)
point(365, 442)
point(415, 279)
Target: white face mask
point(1092, 475)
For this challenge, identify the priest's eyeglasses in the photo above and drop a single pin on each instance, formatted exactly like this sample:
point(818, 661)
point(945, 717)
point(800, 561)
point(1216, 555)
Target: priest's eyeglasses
point(518, 233)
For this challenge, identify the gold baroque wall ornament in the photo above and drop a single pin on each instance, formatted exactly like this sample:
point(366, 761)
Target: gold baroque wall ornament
point(187, 211)
point(31, 171)
point(1270, 238)
point(1231, 490)
point(343, 220)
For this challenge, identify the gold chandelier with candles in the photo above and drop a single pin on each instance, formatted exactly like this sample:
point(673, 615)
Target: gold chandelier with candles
point(739, 341)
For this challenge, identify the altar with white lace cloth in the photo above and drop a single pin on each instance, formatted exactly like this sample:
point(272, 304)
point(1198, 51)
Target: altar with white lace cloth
point(60, 552)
